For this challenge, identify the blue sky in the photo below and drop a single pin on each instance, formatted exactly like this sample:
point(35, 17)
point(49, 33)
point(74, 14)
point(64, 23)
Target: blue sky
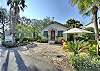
point(62, 10)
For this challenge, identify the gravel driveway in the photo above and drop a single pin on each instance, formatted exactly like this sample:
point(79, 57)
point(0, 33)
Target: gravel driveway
point(43, 57)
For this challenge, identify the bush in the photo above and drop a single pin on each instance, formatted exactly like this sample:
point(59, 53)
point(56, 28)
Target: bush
point(8, 44)
point(85, 63)
point(23, 41)
point(27, 40)
point(44, 41)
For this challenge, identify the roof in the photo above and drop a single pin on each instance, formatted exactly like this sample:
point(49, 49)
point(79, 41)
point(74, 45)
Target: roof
point(55, 22)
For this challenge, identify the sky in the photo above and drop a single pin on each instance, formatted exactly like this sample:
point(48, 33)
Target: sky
point(62, 10)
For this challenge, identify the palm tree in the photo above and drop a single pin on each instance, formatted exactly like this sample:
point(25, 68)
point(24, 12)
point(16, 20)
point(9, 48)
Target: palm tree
point(15, 7)
point(88, 7)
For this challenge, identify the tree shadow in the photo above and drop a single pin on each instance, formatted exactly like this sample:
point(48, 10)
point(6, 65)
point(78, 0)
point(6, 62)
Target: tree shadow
point(20, 63)
point(5, 65)
point(33, 68)
point(2, 51)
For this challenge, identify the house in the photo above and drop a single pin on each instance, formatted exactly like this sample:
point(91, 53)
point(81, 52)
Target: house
point(53, 32)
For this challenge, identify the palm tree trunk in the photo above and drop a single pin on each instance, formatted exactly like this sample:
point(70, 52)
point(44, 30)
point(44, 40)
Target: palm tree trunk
point(13, 29)
point(12, 22)
point(94, 12)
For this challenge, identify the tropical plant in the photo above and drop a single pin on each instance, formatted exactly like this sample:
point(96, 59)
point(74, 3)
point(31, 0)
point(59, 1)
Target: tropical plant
point(15, 7)
point(76, 47)
point(87, 7)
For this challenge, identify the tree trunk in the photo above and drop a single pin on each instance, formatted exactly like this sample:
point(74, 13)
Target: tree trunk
point(14, 19)
point(13, 30)
point(94, 12)
point(3, 34)
point(12, 27)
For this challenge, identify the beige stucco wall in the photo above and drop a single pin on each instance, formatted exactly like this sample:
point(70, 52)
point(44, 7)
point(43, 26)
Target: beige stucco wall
point(56, 27)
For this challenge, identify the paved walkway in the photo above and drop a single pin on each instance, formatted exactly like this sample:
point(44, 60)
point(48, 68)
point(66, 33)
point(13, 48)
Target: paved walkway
point(15, 59)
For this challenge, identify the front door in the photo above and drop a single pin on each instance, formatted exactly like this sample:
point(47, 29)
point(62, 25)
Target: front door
point(52, 34)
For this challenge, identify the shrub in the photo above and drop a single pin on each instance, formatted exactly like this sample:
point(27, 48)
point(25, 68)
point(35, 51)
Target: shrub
point(8, 44)
point(27, 40)
point(85, 63)
point(44, 41)
point(23, 41)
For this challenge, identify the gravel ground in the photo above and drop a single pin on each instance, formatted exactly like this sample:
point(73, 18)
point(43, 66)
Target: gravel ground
point(35, 57)
point(52, 54)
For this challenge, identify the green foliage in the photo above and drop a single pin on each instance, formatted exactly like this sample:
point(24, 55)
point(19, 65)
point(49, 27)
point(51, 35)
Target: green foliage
point(81, 46)
point(16, 5)
point(89, 36)
point(84, 6)
point(76, 47)
point(44, 41)
point(85, 63)
point(71, 23)
point(92, 47)
point(4, 19)
point(24, 33)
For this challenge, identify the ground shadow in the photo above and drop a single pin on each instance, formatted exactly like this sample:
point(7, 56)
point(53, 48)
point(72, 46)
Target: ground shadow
point(32, 45)
point(27, 47)
point(33, 68)
point(5, 65)
point(2, 51)
point(20, 62)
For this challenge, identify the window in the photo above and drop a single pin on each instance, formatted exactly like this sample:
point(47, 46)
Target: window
point(45, 34)
point(60, 33)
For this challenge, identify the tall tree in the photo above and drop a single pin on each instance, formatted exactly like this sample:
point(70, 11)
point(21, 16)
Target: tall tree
point(71, 23)
point(15, 7)
point(88, 7)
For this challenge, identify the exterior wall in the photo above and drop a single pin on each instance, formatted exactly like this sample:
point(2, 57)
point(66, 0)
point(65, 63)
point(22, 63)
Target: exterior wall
point(56, 27)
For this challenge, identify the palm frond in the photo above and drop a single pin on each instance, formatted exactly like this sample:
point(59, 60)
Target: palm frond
point(85, 6)
point(9, 2)
point(75, 1)
point(87, 12)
